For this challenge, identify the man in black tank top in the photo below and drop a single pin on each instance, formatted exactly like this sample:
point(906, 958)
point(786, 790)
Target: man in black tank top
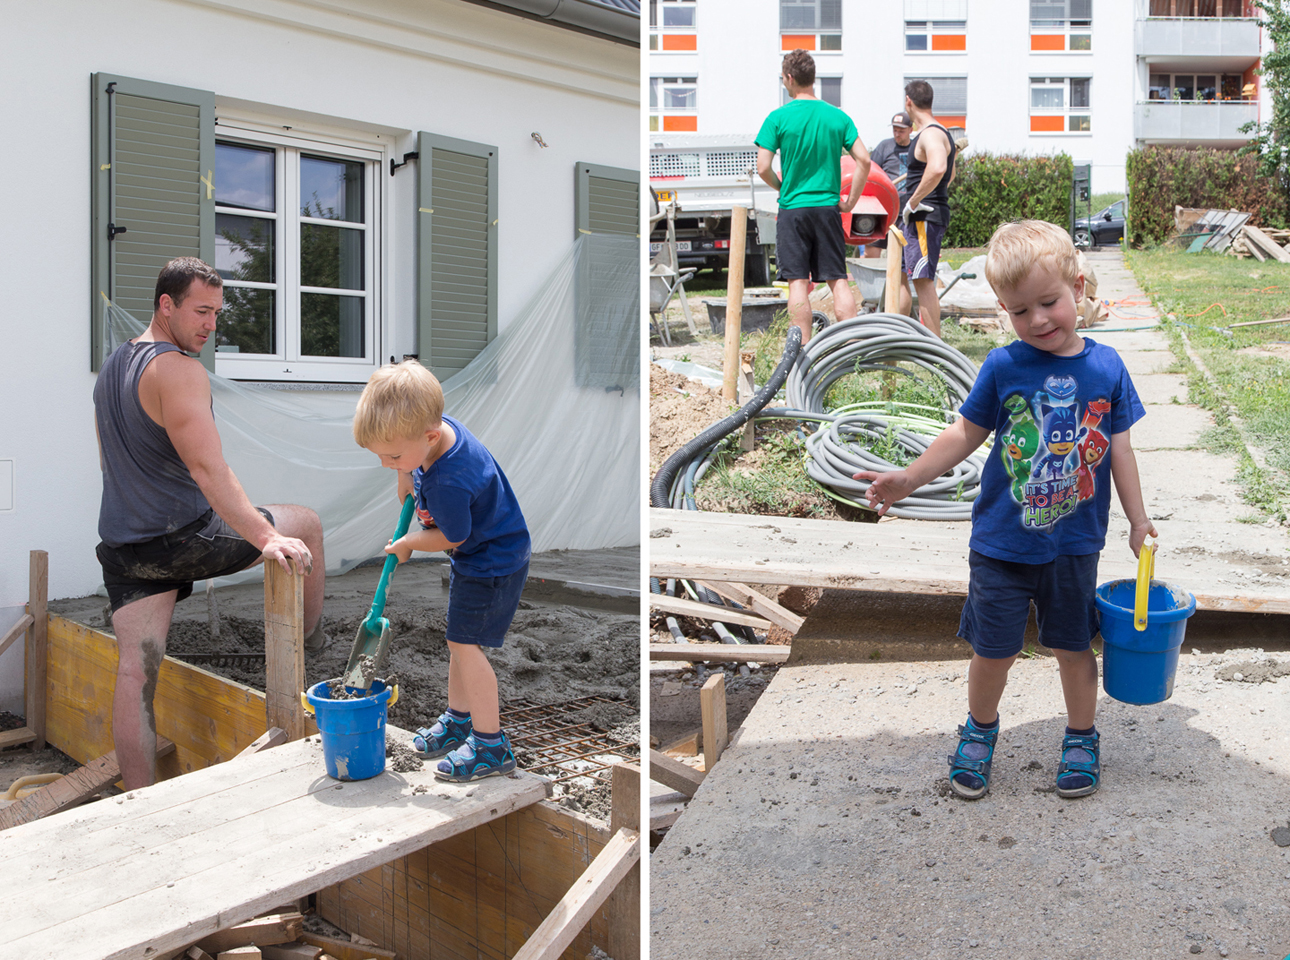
point(172, 510)
point(926, 214)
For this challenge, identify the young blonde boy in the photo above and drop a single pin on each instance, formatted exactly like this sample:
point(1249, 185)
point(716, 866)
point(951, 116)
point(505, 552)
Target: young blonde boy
point(1055, 402)
point(465, 506)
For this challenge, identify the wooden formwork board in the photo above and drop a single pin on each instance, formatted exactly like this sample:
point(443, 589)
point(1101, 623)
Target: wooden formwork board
point(208, 718)
point(479, 895)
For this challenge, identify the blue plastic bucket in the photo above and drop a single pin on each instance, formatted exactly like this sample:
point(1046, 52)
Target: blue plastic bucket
point(1139, 666)
point(353, 731)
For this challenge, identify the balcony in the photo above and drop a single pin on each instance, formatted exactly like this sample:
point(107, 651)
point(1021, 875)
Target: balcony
point(1213, 123)
point(1234, 40)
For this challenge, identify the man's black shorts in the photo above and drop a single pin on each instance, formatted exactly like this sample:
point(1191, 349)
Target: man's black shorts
point(810, 244)
point(205, 548)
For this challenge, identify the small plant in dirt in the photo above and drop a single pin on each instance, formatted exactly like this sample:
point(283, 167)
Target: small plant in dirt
point(774, 482)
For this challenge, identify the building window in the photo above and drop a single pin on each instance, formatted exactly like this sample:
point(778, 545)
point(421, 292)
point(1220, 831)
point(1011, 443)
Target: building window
point(935, 36)
point(949, 99)
point(673, 104)
point(1061, 25)
point(676, 32)
point(810, 24)
point(1200, 86)
point(828, 89)
point(295, 239)
point(1197, 8)
point(1059, 105)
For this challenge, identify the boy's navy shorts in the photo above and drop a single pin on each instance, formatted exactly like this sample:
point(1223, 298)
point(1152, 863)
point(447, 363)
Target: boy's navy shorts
point(480, 609)
point(810, 244)
point(998, 604)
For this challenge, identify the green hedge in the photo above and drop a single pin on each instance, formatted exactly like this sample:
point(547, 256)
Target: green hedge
point(990, 189)
point(1161, 178)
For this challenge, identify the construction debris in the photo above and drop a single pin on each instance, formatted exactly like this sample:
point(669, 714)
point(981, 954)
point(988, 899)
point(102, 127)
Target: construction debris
point(1198, 229)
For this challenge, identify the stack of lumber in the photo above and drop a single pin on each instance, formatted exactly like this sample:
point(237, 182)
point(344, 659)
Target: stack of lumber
point(280, 936)
point(1262, 243)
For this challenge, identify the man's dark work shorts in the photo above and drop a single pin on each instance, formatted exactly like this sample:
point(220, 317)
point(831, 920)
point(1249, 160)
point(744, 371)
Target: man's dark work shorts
point(998, 604)
point(208, 547)
point(810, 244)
point(923, 248)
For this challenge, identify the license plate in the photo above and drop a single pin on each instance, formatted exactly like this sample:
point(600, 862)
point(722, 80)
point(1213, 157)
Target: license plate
point(666, 196)
point(683, 246)
point(655, 247)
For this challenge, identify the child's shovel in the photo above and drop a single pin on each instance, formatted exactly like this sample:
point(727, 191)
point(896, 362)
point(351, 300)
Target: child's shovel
point(372, 642)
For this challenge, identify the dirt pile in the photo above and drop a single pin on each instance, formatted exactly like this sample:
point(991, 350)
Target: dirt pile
point(679, 410)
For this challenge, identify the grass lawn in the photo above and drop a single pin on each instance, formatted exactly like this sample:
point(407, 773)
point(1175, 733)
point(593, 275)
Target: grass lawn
point(1204, 293)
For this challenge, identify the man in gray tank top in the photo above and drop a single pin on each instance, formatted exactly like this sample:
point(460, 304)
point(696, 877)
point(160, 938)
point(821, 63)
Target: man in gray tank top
point(172, 510)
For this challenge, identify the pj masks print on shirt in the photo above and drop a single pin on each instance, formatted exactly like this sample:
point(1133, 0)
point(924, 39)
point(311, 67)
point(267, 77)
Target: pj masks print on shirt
point(1051, 452)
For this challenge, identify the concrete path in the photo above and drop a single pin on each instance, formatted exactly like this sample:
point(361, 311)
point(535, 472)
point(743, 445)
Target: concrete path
point(825, 830)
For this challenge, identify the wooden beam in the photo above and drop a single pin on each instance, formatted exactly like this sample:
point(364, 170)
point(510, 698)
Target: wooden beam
point(749, 597)
point(16, 631)
point(270, 738)
point(71, 789)
point(11, 738)
point(712, 705)
point(275, 928)
point(720, 652)
point(664, 821)
point(345, 949)
point(674, 774)
point(705, 611)
point(1257, 323)
point(571, 914)
point(37, 646)
point(1270, 246)
point(624, 906)
point(284, 650)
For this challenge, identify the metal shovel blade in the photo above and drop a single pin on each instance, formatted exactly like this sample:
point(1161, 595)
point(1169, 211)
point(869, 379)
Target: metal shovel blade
point(368, 656)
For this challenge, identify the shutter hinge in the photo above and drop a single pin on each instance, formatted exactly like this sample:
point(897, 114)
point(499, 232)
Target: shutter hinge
point(414, 155)
point(113, 230)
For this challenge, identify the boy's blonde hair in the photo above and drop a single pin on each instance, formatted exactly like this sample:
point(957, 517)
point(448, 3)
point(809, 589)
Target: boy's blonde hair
point(400, 401)
point(1016, 247)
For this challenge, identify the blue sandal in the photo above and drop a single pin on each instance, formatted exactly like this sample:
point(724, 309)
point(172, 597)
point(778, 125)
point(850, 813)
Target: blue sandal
point(446, 734)
point(1080, 772)
point(471, 761)
point(970, 763)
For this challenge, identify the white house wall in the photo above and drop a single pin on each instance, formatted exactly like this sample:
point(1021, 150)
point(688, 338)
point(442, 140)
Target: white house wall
point(383, 70)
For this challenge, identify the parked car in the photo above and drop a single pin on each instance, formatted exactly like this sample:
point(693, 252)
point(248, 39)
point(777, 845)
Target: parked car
point(1105, 226)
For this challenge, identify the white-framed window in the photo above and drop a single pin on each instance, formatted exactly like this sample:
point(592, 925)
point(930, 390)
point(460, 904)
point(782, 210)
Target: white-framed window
point(810, 16)
point(674, 103)
point(828, 89)
point(673, 25)
point(1060, 105)
point(298, 242)
point(1058, 26)
point(935, 36)
point(949, 97)
point(1196, 8)
point(1195, 86)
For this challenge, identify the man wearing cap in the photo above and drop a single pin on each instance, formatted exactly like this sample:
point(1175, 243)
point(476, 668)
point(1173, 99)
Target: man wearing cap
point(892, 155)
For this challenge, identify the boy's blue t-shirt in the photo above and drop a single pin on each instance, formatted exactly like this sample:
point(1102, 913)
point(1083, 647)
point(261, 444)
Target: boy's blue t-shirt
point(1046, 489)
point(465, 494)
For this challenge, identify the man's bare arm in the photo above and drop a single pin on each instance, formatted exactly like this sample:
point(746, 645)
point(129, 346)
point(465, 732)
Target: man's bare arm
point(766, 168)
point(860, 177)
point(183, 393)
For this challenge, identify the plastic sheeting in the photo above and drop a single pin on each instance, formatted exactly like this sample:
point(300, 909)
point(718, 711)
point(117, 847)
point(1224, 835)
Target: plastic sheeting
point(566, 435)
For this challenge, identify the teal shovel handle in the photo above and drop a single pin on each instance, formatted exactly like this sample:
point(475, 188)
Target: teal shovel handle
point(391, 561)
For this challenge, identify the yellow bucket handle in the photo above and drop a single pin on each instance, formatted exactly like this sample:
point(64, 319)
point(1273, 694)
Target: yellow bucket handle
point(1146, 570)
point(394, 698)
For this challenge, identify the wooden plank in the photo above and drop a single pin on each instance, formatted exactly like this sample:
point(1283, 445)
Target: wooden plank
point(284, 650)
point(290, 951)
point(37, 646)
point(663, 821)
point(274, 928)
point(346, 949)
point(72, 789)
point(749, 597)
point(1230, 326)
point(674, 774)
point(16, 631)
point(712, 706)
point(1270, 246)
point(705, 611)
point(266, 829)
point(624, 905)
point(720, 652)
point(573, 911)
point(12, 738)
point(270, 738)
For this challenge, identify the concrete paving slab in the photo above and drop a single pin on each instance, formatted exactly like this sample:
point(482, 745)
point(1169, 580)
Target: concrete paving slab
point(1170, 425)
point(826, 831)
point(1161, 387)
point(1143, 362)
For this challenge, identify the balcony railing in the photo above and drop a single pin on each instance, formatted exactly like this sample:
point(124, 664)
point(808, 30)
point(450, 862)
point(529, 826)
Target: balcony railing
point(1189, 120)
point(1196, 37)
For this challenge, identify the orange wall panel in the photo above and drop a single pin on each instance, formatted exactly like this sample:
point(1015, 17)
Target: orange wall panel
point(952, 121)
point(680, 124)
point(1047, 41)
point(1047, 124)
point(949, 41)
point(791, 42)
point(680, 41)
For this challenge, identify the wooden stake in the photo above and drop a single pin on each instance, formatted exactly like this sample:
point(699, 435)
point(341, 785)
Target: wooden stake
point(674, 773)
point(734, 301)
point(284, 650)
point(624, 905)
point(37, 646)
point(712, 704)
point(749, 438)
point(895, 254)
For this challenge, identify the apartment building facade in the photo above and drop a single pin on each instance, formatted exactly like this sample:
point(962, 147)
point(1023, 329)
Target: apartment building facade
point(1090, 78)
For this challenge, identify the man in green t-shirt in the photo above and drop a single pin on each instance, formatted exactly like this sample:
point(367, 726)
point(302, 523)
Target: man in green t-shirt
point(811, 137)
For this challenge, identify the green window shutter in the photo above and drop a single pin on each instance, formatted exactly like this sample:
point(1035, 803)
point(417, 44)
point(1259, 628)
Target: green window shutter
point(607, 332)
point(152, 190)
point(456, 251)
